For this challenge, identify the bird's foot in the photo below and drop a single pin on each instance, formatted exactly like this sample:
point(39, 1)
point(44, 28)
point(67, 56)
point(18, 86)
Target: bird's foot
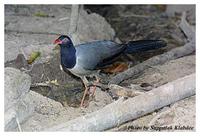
point(85, 104)
point(94, 87)
point(89, 90)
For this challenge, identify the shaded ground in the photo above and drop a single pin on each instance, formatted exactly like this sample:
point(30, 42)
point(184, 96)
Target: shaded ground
point(129, 22)
point(142, 22)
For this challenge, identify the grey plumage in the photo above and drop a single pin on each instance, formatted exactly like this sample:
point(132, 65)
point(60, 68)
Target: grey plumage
point(89, 56)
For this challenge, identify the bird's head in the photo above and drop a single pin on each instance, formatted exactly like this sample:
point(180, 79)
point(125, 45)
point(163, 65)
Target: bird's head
point(63, 40)
point(67, 51)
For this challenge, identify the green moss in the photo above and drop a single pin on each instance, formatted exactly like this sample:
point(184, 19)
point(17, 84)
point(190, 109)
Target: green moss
point(33, 56)
point(41, 14)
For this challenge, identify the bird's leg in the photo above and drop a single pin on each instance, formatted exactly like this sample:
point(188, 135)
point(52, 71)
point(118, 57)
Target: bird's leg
point(94, 87)
point(85, 82)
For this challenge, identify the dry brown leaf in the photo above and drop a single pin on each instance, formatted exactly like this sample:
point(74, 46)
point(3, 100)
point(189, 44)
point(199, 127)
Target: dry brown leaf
point(116, 67)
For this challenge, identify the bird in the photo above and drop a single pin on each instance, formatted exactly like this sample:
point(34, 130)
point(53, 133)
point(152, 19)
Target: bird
point(86, 59)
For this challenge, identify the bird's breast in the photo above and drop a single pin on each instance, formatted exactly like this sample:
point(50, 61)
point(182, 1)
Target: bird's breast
point(79, 70)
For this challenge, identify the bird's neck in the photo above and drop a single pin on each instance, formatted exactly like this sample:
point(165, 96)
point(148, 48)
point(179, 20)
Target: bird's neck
point(68, 56)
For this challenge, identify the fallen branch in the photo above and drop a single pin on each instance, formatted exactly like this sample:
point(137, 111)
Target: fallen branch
point(119, 112)
point(175, 53)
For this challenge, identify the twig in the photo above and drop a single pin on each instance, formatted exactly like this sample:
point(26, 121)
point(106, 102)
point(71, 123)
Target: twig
point(135, 15)
point(40, 85)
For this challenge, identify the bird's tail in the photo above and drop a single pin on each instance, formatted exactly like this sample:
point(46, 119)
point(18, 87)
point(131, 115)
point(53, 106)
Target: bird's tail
point(143, 45)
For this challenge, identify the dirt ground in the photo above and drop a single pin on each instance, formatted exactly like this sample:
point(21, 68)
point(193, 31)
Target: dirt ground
point(61, 102)
point(49, 113)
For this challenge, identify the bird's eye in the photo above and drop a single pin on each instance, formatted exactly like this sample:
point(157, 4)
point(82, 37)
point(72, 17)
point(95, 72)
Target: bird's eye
point(65, 40)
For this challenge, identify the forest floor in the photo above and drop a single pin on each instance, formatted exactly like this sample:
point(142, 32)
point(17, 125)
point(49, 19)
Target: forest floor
point(27, 27)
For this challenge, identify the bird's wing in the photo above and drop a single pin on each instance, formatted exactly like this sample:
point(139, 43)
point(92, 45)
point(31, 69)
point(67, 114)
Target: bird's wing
point(96, 54)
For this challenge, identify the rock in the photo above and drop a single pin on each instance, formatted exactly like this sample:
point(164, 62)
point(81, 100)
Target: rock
point(19, 63)
point(31, 10)
point(92, 27)
point(23, 43)
point(46, 112)
point(172, 9)
point(44, 105)
point(18, 105)
point(26, 32)
point(16, 85)
point(27, 19)
point(101, 99)
point(169, 71)
point(45, 52)
point(24, 36)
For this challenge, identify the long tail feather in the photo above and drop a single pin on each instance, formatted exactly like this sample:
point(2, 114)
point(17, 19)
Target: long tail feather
point(143, 45)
